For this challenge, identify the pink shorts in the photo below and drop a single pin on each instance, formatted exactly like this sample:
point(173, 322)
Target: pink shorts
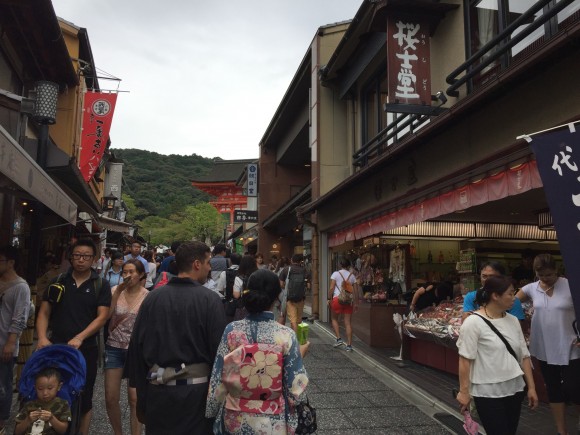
point(339, 308)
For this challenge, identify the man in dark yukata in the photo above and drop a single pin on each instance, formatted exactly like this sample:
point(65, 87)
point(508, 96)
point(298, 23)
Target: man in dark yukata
point(173, 347)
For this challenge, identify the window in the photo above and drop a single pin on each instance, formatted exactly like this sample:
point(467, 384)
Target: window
point(9, 80)
point(516, 9)
point(375, 119)
point(489, 18)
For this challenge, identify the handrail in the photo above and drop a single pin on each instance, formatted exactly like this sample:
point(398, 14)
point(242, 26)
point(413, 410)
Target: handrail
point(360, 157)
point(499, 46)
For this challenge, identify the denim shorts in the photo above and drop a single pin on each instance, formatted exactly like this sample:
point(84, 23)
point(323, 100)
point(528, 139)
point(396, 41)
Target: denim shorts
point(114, 357)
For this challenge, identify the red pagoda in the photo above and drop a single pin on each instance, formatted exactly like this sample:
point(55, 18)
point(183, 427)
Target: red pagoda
point(222, 183)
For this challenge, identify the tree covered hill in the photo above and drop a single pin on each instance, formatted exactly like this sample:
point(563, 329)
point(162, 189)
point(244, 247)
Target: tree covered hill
point(160, 185)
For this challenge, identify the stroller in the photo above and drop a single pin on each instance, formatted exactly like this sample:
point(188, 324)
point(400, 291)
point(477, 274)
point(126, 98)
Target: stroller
point(72, 367)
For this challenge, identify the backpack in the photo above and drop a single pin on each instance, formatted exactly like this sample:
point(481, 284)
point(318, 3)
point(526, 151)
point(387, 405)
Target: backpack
point(296, 284)
point(230, 280)
point(345, 297)
point(163, 279)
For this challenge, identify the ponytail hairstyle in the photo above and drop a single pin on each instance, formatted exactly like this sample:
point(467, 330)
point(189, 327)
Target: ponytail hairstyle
point(494, 284)
point(262, 290)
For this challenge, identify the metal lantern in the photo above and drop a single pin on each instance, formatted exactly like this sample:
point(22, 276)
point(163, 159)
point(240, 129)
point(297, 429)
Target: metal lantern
point(109, 202)
point(46, 102)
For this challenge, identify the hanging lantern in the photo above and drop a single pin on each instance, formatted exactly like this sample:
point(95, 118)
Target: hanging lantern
point(46, 102)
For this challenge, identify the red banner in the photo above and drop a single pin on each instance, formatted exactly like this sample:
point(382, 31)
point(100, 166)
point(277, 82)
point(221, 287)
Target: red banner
point(97, 118)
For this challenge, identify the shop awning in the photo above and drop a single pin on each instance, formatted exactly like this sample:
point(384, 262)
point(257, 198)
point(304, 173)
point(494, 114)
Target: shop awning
point(288, 209)
point(66, 172)
point(513, 181)
point(18, 166)
point(236, 233)
point(114, 225)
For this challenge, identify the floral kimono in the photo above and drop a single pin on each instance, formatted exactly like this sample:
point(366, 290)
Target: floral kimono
point(257, 378)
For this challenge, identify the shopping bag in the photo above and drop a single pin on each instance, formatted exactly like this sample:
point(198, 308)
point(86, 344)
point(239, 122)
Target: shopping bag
point(469, 424)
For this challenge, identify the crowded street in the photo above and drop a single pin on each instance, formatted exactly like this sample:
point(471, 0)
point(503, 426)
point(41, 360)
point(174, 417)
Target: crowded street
point(286, 218)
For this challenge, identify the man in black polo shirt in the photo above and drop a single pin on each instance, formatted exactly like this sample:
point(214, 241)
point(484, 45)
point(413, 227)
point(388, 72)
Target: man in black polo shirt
point(77, 306)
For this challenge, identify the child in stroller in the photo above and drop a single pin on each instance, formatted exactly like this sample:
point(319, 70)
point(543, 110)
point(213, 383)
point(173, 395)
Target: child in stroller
point(47, 411)
point(56, 370)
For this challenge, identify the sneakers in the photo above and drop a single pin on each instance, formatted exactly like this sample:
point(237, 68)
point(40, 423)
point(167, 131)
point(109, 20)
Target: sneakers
point(339, 342)
point(348, 348)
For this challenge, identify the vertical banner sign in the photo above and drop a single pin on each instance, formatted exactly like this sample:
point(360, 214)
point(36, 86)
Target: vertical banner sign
point(97, 118)
point(252, 179)
point(558, 157)
point(408, 60)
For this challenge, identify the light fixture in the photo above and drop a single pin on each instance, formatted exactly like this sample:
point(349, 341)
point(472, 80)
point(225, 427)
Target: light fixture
point(440, 96)
point(121, 214)
point(46, 102)
point(24, 204)
point(109, 202)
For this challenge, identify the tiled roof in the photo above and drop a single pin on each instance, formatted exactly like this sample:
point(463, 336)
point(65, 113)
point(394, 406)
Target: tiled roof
point(224, 171)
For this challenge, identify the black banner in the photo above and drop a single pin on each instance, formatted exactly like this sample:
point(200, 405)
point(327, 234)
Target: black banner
point(245, 216)
point(558, 156)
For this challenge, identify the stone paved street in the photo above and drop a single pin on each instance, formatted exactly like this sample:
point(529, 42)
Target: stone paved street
point(352, 398)
point(349, 396)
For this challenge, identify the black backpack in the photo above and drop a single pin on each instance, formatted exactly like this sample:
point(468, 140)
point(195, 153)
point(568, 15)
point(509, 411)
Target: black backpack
point(230, 279)
point(296, 284)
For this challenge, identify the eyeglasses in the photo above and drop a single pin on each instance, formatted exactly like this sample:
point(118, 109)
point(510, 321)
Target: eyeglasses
point(85, 257)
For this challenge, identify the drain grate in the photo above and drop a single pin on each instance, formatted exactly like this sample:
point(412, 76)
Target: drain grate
point(450, 421)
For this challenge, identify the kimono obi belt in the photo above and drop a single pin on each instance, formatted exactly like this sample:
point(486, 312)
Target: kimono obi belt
point(252, 376)
point(185, 375)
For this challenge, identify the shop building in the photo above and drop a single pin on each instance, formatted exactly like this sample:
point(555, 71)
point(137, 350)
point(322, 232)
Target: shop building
point(44, 66)
point(440, 176)
point(302, 148)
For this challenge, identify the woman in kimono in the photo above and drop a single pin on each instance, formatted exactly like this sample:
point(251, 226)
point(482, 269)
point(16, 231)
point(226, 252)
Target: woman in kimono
point(258, 376)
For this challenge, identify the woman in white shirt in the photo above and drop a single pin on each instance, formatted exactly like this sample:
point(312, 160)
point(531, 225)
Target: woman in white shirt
point(152, 273)
point(336, 308)
point(488, 372)
point(553, 340)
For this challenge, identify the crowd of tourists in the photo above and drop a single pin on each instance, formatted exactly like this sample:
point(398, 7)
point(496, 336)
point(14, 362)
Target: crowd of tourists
point(192, 366)
point(201, 338)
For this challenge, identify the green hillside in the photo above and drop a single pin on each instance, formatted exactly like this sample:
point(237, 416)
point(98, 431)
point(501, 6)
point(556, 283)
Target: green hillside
point(159, 184)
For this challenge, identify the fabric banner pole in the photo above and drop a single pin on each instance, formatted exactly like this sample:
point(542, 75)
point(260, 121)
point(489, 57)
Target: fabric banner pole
point(558, 158)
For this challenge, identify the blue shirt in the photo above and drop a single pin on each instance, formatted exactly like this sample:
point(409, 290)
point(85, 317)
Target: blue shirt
point(469, 304)
point(141, 259)
point(114, 278)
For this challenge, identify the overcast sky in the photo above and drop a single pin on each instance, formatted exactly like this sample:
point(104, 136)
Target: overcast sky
point(204, 77)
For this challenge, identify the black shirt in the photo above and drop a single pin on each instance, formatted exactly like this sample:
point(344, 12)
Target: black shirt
point(77, 307)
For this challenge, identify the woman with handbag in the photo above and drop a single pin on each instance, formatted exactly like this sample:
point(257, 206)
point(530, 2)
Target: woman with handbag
point(493, 356)
point(553, 340)
point(258, 378)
